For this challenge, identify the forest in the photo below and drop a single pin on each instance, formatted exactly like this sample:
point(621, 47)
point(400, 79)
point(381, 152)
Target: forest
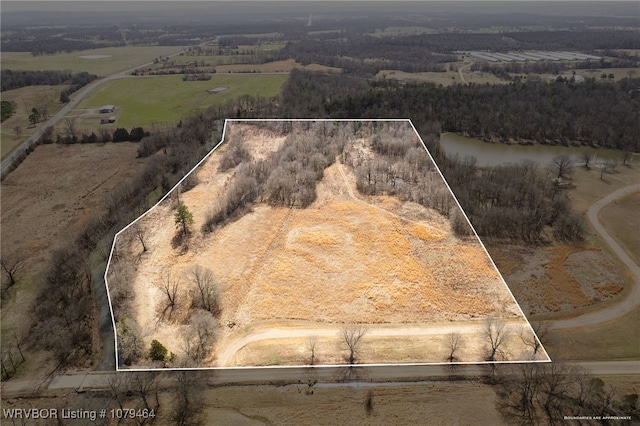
point(593, 113)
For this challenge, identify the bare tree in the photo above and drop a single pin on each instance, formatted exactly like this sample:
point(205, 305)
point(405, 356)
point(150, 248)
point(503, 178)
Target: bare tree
point(18, 131)
point(189, 400)
point(586, 157)
point(200, 337)
point(169, 287)
point(11, 265)
point(70, 127)
point(351, 336)
point(541, 330)
point(145, 386)
point(130, 342)
point(562, 165)
point(141, 234)
point(494, 332)
point(207, 289)
point(312, 343)
point(454, 343)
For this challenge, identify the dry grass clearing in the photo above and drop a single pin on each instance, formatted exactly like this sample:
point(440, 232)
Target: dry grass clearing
point(346, 258)
point(45, 201)
point(399, 404)
point(623, 222)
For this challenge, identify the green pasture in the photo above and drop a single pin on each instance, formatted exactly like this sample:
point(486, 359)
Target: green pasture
point(117, 59)
point(143, 101)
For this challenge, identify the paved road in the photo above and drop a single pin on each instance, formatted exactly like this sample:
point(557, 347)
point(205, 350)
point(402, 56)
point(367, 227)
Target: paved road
point(11, 158)
point(330, 376)
point(632, 300)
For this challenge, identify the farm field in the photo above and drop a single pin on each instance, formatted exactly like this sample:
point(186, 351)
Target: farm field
point(40, 213)
point(286, 275)
point(144, 101)
point(29, 97)
point(101, 62)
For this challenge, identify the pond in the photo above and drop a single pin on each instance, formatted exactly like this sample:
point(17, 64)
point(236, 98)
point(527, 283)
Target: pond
point(493, 154)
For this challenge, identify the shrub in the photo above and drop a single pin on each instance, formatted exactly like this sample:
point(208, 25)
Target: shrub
point(157, 352)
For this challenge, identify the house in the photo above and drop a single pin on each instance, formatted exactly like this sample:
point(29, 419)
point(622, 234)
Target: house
point(109, 120)
point(106, 109)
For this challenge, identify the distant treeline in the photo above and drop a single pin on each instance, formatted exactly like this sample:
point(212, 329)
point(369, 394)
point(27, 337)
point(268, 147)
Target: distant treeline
point(504, 70)
point(592, 113)
point(366, 55)
point(53, 45)
point(16, 79)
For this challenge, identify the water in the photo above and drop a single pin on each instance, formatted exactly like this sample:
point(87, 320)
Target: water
point(493, 154)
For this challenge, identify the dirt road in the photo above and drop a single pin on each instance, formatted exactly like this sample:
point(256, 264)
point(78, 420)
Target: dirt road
point(464, 328)
point(632, 299)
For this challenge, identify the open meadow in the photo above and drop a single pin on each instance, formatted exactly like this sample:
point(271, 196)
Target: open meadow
point(102, 62)
point(144, 101)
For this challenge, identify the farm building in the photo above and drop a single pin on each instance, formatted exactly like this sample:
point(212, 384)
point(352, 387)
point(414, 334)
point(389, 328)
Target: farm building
point(106, 109)
point(109, 120)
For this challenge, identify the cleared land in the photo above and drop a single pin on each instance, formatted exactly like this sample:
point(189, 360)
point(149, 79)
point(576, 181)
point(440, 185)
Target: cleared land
point(143, 101)
point(445, 78)
point(101, 62)
point(347, 258)
point(39, 213)
point(277, 66)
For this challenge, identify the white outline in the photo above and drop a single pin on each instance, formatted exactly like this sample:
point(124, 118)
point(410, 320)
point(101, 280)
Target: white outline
point(222, 139)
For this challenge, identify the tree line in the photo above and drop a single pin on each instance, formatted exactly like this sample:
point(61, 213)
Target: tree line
point(592, 113)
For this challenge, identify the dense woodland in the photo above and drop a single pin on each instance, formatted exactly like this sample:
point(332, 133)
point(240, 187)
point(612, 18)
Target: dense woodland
point(593, 113)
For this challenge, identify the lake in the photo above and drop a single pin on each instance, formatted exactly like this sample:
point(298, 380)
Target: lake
point(493, 154)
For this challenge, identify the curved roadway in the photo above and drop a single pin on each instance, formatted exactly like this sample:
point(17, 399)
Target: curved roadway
point(632, 299)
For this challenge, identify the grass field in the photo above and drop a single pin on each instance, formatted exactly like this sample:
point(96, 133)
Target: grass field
point(45, 202)
point(25, 99)
point(118, 59)
point(622, 222)
point(143, 101)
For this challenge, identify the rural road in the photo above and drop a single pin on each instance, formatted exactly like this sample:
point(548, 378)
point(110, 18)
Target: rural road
point(9, 160)
point(460, 72)
point(330, 376)
point(632, 299)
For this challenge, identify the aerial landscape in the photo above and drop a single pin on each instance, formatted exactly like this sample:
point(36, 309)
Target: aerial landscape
point(320, 213)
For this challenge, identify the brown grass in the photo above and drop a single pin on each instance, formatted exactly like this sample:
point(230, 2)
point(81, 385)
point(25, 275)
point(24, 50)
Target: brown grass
point(339, 260)
point(45, 202)
point(621, 221)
